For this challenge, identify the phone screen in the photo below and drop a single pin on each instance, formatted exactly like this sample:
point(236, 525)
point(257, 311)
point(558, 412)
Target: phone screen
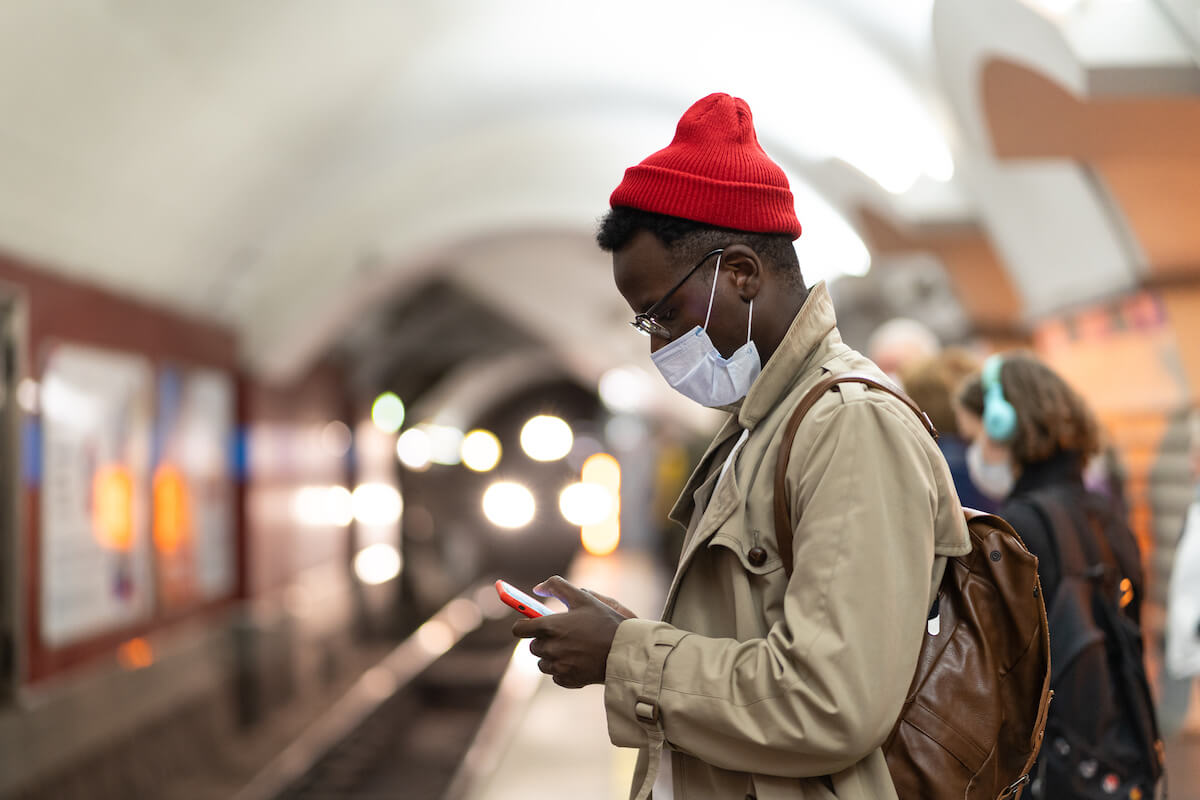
point(522, 602)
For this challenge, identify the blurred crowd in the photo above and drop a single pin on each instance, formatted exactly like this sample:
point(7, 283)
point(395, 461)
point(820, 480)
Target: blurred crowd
point(1020, 442)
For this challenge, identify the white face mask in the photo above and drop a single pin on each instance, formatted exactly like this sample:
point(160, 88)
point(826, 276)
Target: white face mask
point(994, 479)
point(698, 371)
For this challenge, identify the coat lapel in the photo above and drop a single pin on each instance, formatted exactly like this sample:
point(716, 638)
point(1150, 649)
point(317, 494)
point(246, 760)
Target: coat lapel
point(724, 498)
point(682, 510)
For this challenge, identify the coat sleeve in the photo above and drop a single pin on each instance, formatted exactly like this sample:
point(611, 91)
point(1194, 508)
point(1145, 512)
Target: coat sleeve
point(824, 687)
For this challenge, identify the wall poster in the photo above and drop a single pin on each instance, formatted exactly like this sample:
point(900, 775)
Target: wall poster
point(192, 486)
point(95, 551)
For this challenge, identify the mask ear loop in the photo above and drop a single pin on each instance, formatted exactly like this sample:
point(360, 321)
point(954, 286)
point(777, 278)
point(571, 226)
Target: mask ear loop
point(750, 321)
point(713, 294)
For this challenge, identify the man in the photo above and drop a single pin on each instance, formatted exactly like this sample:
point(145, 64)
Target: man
point(754, 684)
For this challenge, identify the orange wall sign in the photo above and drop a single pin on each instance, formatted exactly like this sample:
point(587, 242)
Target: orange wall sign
point(172, 509)
point(112, 507)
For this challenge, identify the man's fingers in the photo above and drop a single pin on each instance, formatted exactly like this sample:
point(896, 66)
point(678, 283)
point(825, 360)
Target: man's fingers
point(529, 628)
point(611, 603)
point(603, 598)
point(556, 586)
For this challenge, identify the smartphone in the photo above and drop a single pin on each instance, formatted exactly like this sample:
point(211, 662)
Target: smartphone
point(522, 602)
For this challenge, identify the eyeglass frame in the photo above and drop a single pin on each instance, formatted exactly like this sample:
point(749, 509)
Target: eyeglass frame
point(646, 324)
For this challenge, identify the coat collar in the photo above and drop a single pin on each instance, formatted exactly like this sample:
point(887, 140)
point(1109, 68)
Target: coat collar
point(798, 354)
point(812, 325)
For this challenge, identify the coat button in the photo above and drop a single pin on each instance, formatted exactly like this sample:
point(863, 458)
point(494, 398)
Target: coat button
point(757, 556)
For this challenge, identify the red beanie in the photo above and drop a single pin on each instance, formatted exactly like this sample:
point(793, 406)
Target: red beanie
point(715, 172)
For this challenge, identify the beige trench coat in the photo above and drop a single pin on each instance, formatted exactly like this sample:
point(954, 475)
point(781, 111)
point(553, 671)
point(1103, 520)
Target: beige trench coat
point(760, 686)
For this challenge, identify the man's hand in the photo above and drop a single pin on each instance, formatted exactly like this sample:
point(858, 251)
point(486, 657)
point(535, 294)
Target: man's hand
point(573, 646)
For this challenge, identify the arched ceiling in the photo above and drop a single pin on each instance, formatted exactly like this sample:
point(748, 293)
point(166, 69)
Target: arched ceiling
point(282, 165)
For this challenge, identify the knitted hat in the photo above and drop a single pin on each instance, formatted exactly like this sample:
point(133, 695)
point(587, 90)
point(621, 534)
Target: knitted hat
point(715, 172)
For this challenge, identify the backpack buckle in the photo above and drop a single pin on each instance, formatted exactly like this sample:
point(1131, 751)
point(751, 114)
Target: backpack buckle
point(1014, 788)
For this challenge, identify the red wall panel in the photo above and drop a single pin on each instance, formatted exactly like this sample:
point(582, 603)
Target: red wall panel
point(58, 309)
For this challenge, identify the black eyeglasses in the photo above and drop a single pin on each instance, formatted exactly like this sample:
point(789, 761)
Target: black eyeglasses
point(646, 323)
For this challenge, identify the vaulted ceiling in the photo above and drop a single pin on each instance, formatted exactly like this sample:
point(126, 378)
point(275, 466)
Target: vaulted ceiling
point(284, 166)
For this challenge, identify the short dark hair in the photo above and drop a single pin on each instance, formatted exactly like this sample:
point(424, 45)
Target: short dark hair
point(1051, 416)
point(687, 240)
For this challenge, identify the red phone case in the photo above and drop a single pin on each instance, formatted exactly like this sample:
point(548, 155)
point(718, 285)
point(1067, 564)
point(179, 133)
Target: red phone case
point(514, 597)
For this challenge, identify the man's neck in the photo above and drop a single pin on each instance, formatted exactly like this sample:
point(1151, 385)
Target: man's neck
point(776, 326)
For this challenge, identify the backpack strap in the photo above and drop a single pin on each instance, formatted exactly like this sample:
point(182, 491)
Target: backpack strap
point(1079, 545)
point(783, 525)
point(1075, 557)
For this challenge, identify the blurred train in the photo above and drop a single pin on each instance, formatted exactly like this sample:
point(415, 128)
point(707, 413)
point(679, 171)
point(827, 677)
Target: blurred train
point(291, 294)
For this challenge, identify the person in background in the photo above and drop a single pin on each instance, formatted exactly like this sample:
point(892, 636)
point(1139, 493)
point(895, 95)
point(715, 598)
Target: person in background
point(931, 383)
point(1051, 438)
point(1032, 437)
point(899, 343)
point(1182, 662)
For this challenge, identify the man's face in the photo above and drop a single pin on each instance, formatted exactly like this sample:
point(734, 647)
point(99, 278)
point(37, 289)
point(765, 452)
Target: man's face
point(644, 271)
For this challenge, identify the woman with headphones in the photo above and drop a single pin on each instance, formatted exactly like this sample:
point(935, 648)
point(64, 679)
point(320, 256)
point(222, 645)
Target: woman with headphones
point(1030, 433)
point(1031, 437)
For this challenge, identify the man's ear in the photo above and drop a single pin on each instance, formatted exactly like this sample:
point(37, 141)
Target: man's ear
point(746, 269)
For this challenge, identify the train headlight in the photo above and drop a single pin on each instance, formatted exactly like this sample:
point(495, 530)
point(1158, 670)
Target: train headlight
point(508, 505)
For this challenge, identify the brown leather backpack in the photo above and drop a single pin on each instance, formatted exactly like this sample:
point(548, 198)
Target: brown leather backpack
point(973, 721)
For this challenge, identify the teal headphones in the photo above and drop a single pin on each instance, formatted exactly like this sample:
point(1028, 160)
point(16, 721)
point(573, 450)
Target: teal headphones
point(999, 417)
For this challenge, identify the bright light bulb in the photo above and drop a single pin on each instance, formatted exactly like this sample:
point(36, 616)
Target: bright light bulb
point(585, 503)
point(339, 506)
point(445, 443)
point(377, 563)
point(508, 505)
point(546, 438)
point(480, 450)
point(323, 505)
point(387, 412)
point(414, 449)
point(377, 504)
